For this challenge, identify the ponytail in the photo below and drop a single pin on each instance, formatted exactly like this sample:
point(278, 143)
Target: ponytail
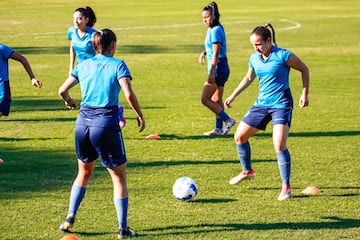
point(102, 40)
point(272, 31)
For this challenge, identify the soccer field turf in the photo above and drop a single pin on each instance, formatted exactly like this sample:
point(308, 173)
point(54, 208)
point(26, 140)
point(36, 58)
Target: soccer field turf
point(160, 41)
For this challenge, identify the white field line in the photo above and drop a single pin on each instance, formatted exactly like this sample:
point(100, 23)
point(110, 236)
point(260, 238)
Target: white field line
point(292, 25)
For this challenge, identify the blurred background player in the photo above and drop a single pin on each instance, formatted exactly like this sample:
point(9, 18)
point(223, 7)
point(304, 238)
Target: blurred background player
point(97, 131)
point(218, 69)
point(271, 65)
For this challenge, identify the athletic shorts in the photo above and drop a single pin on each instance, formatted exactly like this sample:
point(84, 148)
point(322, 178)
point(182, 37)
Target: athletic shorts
point(6, 102)
point(259, 117)
point(222, 72)
point(104, 142)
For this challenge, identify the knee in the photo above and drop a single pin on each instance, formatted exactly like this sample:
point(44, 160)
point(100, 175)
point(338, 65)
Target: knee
point(280, 147)
point(240, 139)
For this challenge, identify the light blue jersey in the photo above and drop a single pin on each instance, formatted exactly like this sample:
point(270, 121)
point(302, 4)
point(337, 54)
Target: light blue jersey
point(82, 46)
point(273, 76)
point(98, 77)
point(215, 35)
point(5, 53)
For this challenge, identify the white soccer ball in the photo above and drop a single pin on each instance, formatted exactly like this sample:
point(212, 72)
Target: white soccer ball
point(185, 189)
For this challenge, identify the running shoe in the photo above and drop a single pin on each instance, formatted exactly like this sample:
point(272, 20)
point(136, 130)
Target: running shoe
point(126, 233)
point(215, 132)
point(228, 125)
point(243, 176)
point(285, 193)
point(67, 225)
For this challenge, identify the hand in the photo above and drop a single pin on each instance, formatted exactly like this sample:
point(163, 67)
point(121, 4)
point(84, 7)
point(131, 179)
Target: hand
point(202, 57)
point(304, 101)
point(227, 102)
point(36, 83)
point(141, 123)
point(71, 104)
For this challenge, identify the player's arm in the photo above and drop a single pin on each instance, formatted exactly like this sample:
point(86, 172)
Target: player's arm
point(64, 92)
point(214, 62)
point(245, 82)
point(20, 58)
point(131, 98)
point(72, 58)
point(296, 63)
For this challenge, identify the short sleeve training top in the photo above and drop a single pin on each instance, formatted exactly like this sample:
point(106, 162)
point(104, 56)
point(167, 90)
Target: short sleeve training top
point(215, 34)
point(98, 77)
point(82, 45)
point(273, 77)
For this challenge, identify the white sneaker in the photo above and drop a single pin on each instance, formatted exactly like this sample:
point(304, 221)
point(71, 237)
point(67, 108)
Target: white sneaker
point(243, 176)
point(228, 125)
point(215, 132)
point(285, 193)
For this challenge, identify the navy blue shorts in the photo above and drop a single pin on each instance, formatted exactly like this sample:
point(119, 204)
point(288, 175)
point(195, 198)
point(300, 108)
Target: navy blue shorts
point(222, 72)
point(104, 142)
point(259, 117)
point(6, 102)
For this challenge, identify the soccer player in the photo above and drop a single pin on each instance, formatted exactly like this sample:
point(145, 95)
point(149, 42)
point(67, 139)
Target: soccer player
point(218, 69)
point(7, 53)
point(97, 131)
point(271, 65)
point(81, 48)
point(80, 35)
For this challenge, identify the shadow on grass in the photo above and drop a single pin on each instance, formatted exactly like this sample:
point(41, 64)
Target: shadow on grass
point(214, 200)
point(122, 49)
point(187, 162)
point(331, 222)
point(260, 135)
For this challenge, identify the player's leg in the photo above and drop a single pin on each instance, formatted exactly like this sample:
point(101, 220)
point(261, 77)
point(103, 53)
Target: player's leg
point(280, 135)
point(241, 137)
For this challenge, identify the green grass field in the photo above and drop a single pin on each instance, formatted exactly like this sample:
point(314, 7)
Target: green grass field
point(160, 42)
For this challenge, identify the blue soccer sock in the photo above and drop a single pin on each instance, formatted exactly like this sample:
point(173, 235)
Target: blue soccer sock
point(284, 166)
point(121, 206)
point(76, 196)
point(244, 153)
point(224, 117)
point(218, 123)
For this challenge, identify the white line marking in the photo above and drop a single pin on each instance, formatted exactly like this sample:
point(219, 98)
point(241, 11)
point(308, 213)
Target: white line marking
point(294, 25)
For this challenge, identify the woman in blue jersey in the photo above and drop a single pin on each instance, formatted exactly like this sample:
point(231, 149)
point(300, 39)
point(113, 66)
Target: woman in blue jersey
point(7, 53)
point(81, 48)
point(80, 36)
point(218, 69)
point(271, 65)
point(97, 132)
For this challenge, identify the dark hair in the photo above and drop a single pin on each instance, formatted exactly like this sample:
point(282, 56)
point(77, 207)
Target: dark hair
point(102, 40)
point(89, 13)
point(213, 9)
point(265, 32)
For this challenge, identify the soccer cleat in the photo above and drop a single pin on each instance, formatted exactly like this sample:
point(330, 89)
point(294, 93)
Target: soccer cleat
point(243, 176)
point(67, 225)
point(126, 233)
point(228, 125)
point(215, 132)
point(285, 193)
